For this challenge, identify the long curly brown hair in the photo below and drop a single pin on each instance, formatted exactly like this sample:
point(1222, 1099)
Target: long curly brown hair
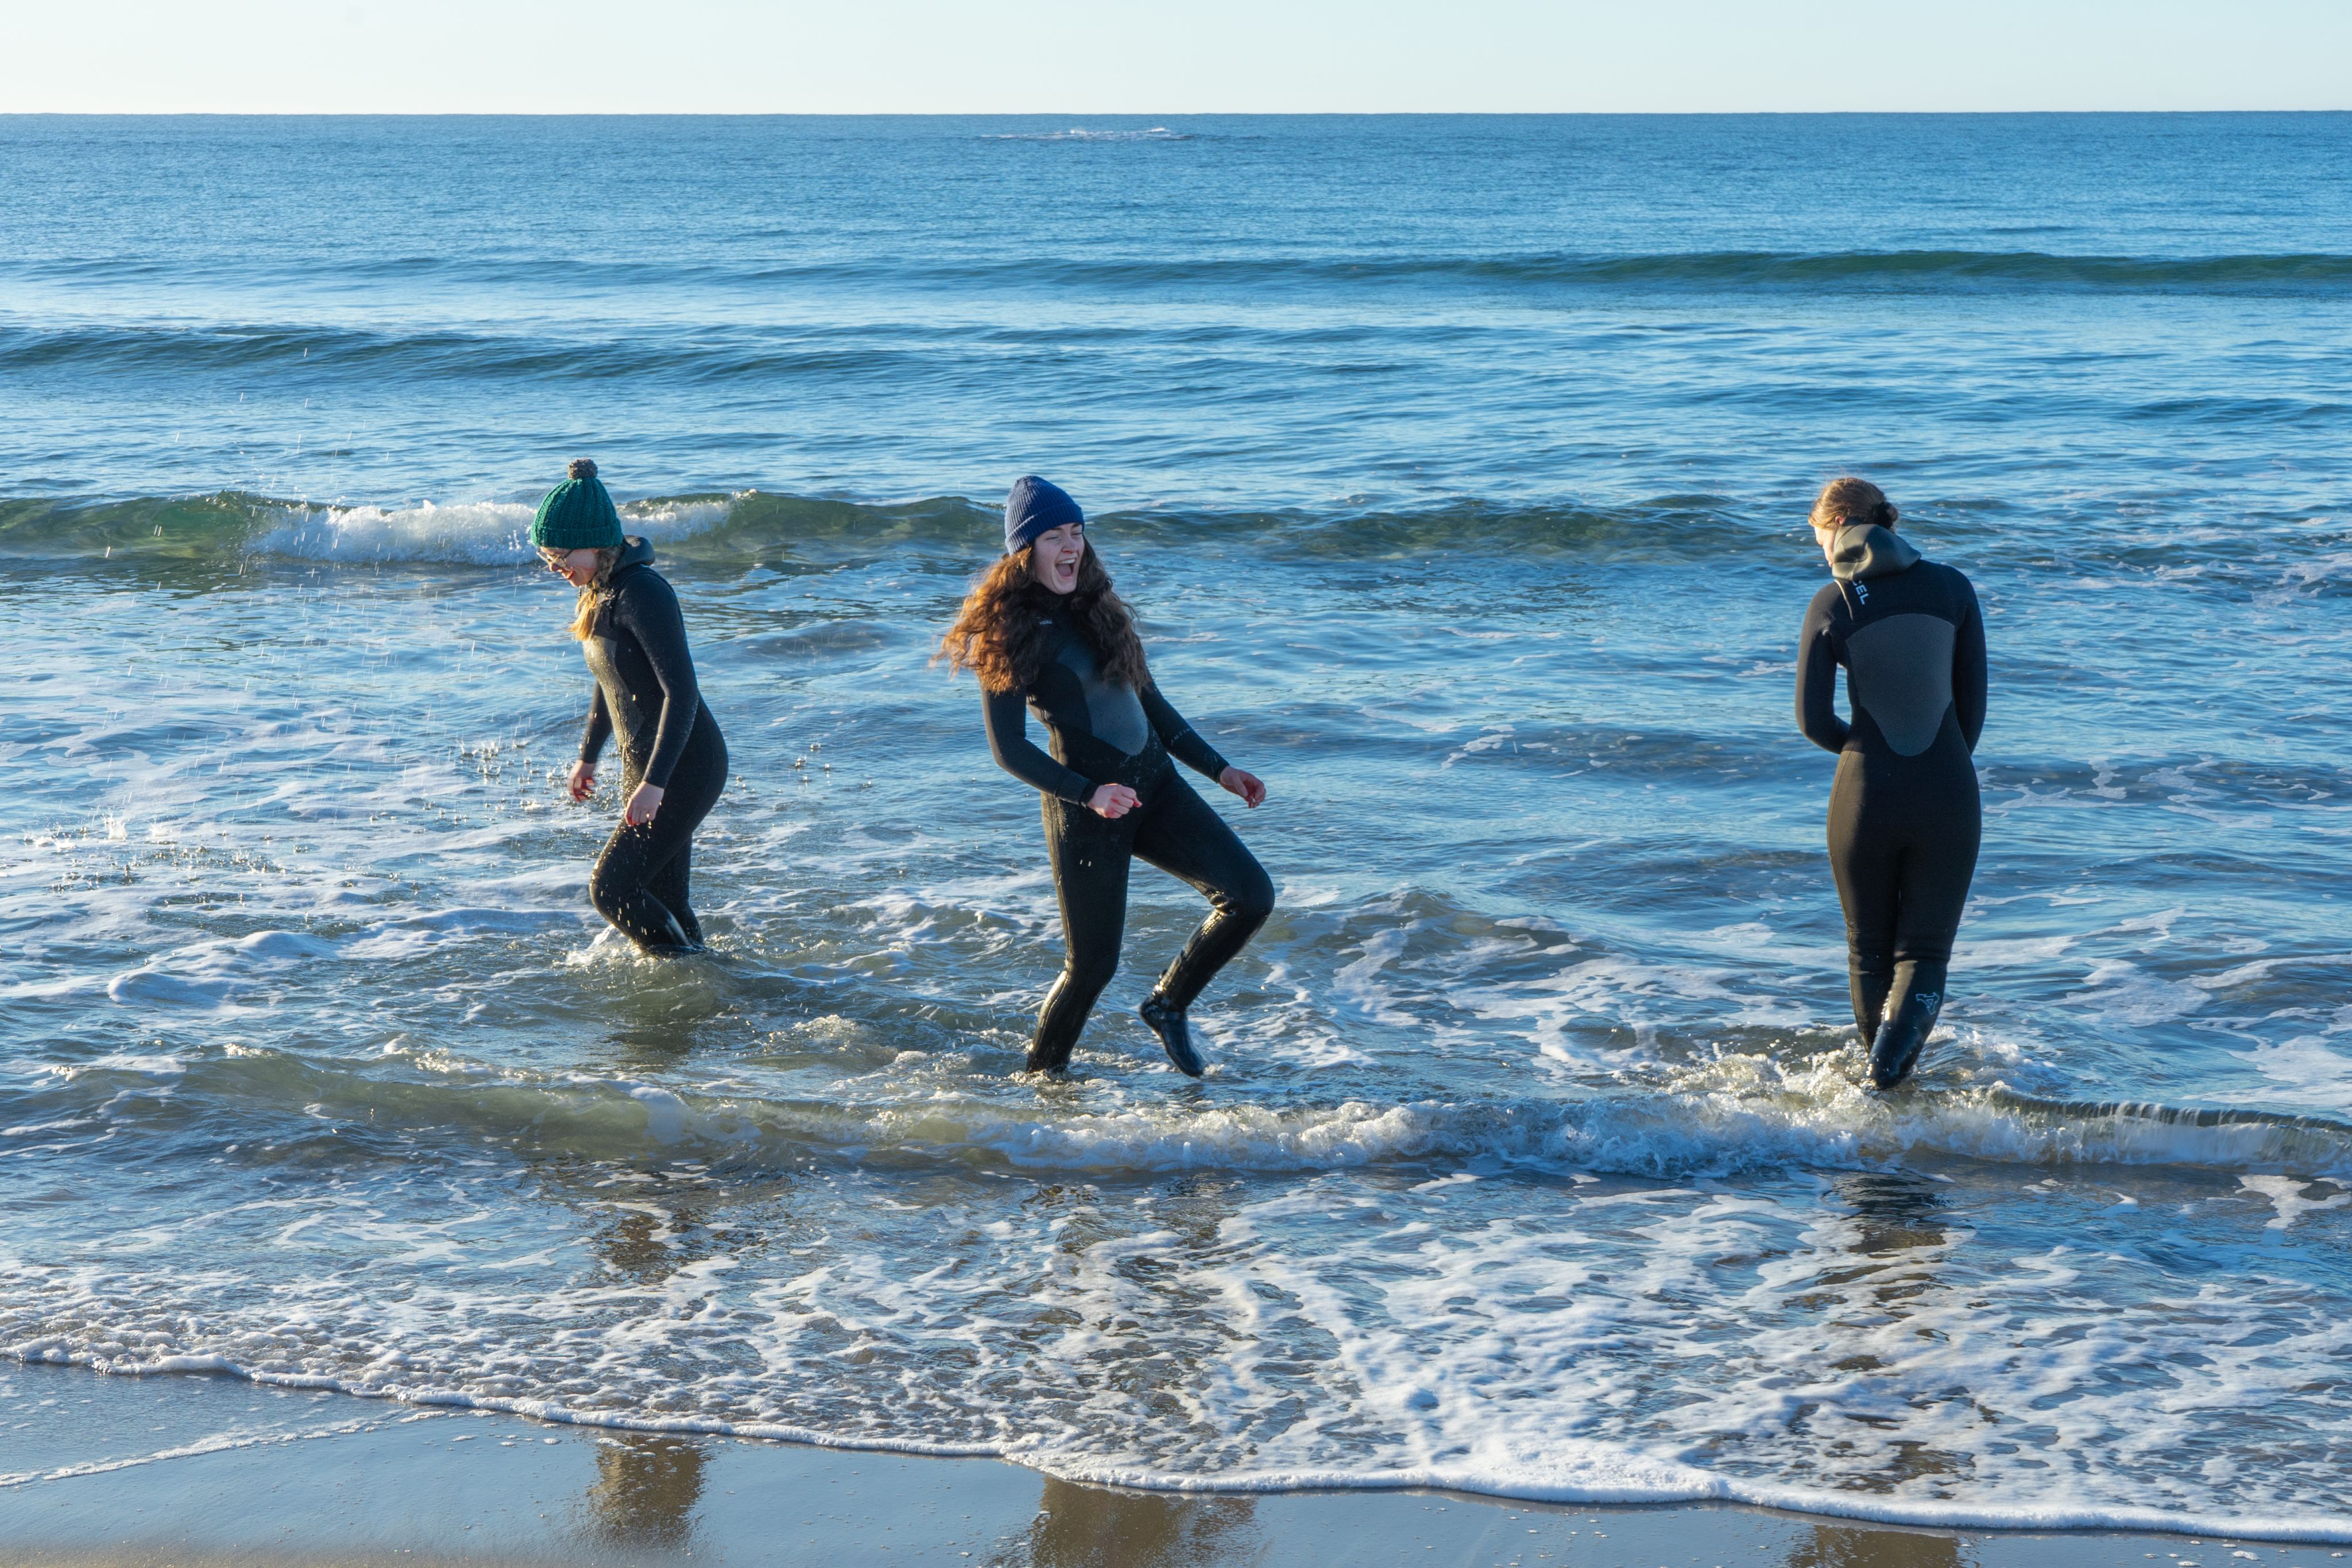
point(1000, 636)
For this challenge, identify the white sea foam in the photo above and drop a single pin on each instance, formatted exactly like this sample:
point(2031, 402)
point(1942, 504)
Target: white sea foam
point(2291, 1196)
point(153, 1066)
point(1737, 1114)
point(2316, 1072)
point(217, 973)
point(214, 1443)
point(1650, 1344)
point(1595, 1476)
point(1080, 134)
point(1537, 1158)
point(481, 533)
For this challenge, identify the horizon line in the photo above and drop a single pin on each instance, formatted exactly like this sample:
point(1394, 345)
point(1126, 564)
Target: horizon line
point(1127, 114)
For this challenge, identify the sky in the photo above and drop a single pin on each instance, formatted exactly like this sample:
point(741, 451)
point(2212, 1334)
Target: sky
point(1177, 56)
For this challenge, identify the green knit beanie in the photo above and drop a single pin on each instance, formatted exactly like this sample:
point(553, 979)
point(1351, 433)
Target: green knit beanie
point(577, 514)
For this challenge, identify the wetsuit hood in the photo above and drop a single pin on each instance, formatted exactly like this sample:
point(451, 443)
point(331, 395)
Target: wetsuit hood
point(635, 550)
point(1862, 552)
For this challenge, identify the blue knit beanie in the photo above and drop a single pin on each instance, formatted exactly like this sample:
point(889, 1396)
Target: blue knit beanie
point(1036, 507)
point(577, 514)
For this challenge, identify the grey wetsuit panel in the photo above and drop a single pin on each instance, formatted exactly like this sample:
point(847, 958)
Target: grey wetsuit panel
point(1900, 669)
point(1114, 712)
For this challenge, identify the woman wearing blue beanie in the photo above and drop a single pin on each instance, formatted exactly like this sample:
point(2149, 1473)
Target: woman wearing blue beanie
point(1046, 633)
point(673, 759)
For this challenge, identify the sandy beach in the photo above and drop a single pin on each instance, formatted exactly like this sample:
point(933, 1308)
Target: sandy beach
point(101, 1470)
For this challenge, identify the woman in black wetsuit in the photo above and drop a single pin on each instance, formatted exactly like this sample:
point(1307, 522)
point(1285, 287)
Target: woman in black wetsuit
point(1044, 632)
point(673, 759)
point(1905, 818)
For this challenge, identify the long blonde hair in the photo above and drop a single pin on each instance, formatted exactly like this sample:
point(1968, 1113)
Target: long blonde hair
point(583, 618)
point(999, 633)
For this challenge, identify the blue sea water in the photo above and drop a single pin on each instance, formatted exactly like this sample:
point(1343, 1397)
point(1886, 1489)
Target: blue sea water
point(1458, 470)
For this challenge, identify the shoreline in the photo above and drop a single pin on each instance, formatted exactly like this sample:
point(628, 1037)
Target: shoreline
point(200, 1468)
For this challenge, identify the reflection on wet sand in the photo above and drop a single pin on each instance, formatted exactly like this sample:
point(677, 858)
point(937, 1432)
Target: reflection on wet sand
point(1895, 1213)
point(650, 1243)
point(1839, 1546)
point(645, 1490)
point(1899, 1236)
point(1084, 1526)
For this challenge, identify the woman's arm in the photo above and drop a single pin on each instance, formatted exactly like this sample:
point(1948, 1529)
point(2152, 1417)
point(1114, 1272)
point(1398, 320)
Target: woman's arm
point(1183, 741)
point(1969, 680)
point(1817, 674)
point(600, 727)
point(1007, 714)
point(1184, 744)
point(647, 608)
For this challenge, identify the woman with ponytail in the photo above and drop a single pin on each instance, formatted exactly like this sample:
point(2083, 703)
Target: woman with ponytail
point(1905, 818)
point(673, 759)
point(1047, 634)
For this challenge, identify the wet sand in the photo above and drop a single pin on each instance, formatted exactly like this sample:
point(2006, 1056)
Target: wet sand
point(108, 1470)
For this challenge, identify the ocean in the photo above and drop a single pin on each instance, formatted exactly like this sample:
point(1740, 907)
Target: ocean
point(1458, 470)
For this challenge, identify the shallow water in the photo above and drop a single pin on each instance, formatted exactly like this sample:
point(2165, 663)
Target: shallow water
point(1457, 469)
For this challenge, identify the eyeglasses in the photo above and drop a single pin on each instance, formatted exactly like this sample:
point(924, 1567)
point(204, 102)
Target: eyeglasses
point(554, 560)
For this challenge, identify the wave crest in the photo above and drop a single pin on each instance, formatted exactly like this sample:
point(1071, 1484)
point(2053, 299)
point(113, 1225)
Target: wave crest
point(724, 529)
point(482, 533)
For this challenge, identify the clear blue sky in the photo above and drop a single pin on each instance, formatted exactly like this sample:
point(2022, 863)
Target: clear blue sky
point(1174, 57)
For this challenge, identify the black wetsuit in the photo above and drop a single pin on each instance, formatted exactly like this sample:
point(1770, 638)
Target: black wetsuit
point(1905, 818)
point(646, 689)
point(1105, 733)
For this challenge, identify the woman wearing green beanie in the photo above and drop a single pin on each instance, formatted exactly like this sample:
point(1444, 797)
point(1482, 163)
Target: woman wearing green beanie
point(672, 759)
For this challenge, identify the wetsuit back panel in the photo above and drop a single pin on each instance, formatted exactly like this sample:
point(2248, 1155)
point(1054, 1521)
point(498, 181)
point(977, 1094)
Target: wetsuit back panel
point(1900, 670)
point(1912, 641)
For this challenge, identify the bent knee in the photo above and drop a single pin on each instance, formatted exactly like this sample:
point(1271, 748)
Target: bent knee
point(609, 894)
point(1251, 901)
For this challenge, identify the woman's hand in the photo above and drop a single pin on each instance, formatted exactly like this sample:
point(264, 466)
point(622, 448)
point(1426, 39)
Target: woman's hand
point(582, 782)
point(1246, 785)
point(643, 801)
point(1112, 800)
